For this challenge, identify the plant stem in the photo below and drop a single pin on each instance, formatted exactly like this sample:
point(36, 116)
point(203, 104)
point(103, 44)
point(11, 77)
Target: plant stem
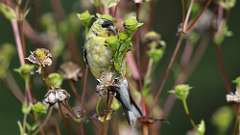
point(28, 91)
point(24, 122)
point(145, 130)
point(236, 124)
point(43, 124)
point(186, 72)
point(185, 23)
point(18, 41)
point(74, 90)
point(220, 63)
point(133, 66)
point(194, 22)
point(168, 69)
point(84, 90)
point(65, 120)
point(185, 106)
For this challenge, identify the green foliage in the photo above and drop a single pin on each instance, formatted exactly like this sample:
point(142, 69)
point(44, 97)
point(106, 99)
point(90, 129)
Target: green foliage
point(201, 128)
point(156, 46)
point(121, 53)
point(85, 18)
point(237, 81)
point(227, 4)
point(222, 119)
point(54, 80)
point(31, 127)
point(125, 41)
point(181, 91)
point(156, 53)
point(25, 71)
point(195, 9)
point(40, 108)
point(6, 53)
point(113, 42)
point(8, 12)
point(222, 34)
point(131, 25)
point(21, 129)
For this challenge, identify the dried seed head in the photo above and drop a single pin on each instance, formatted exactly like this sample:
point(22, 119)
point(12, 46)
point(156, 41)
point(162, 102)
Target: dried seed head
point(41, 57)
point(71, 71)
point(152, 36)
point(233, 97)
point(106, 81)
point(56, 95)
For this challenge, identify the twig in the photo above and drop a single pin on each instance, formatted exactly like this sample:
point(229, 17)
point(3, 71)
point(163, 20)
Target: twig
point(133, 66)
point(185, 22)
point(65, 120)
point(74, 89)
point(194, 22)
point(168, 69)
point(84, 90)
point(220, 63)
point(18, 41)
point(174, 55)
point(185, 106)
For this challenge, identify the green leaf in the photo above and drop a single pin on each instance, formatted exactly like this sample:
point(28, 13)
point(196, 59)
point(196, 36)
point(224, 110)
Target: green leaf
point(201, 128)
point(113, 42)
point(54, 80)
point(237, 81)
point(85, 18)
point(222, 34)
point(7, 11)
point(31, 127)
point(40, 108)
point(120, 54)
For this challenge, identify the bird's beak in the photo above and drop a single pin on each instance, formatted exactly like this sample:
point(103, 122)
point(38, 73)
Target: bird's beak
point(112, 29)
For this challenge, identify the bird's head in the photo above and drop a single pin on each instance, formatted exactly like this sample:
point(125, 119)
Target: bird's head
point(103, 27)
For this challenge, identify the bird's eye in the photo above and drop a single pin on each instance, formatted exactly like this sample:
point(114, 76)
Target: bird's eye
point(107, 23)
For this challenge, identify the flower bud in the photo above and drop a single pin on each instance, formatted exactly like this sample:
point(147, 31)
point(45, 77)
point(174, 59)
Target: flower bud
point(25, 71)
point(54, 80)
point(85, 18)
point(181, 91)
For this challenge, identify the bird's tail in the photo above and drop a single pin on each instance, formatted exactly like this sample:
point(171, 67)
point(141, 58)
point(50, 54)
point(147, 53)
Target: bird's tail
point(131, 109)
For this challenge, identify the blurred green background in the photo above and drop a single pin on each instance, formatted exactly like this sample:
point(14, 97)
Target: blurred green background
point(208, 92)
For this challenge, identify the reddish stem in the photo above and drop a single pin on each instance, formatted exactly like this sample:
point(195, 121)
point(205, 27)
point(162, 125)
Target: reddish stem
point(194, 22)
point(168, 69)
point(18, 42)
